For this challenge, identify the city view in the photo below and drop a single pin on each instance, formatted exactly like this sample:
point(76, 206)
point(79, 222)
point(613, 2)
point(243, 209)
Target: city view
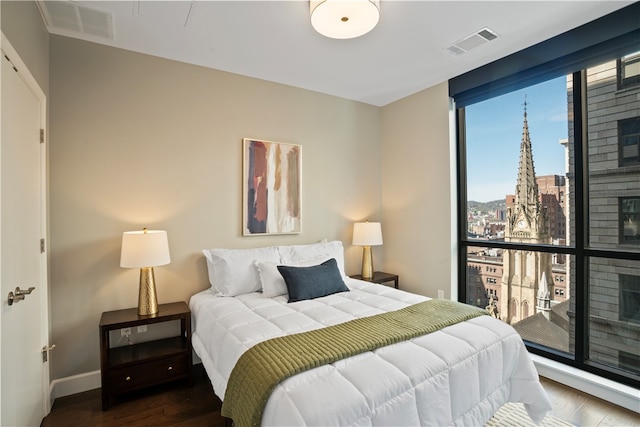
point(521, 189)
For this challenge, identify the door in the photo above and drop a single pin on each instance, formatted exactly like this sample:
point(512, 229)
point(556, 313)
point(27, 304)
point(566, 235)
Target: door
point(24, 377)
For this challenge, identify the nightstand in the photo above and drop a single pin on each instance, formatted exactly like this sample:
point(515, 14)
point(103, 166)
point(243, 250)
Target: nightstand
point(380, 277)
point(145, 364)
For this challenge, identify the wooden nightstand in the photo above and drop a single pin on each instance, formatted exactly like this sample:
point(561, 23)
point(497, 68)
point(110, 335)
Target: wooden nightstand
point(380, 277)
point(137, 366)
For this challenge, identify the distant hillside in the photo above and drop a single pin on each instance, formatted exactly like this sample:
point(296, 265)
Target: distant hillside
point(491, 206)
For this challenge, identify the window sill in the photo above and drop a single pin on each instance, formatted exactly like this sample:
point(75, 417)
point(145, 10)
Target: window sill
point(611, 391)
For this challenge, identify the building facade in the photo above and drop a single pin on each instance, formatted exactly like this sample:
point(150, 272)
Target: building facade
point(613, 125)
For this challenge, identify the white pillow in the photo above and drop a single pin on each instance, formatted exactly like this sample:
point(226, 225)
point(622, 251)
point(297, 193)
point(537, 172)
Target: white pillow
point(271, 280)
point(290, 255)
point(232, 271)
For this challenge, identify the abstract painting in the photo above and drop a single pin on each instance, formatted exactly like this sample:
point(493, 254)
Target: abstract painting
point(271, 187)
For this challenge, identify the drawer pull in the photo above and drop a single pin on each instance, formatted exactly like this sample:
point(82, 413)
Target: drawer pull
point(128, 379)
point(170, 368)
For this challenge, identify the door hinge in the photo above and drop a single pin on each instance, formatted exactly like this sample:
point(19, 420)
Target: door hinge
point(42, 246)
point(41, 136)
point(45, 352)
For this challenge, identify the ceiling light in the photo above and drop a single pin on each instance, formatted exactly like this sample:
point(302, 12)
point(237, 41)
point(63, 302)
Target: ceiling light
point(344, 19)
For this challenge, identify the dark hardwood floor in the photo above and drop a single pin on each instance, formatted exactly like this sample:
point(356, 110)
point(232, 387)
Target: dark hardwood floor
point(182, 406)
point(173, 404)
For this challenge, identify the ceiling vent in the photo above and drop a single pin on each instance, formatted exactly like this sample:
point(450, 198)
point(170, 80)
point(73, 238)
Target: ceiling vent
point(471, 42)
point(72, 19)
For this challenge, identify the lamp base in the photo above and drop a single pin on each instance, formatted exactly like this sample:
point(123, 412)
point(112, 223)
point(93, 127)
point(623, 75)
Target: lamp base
point(367, 263)
point(147, 297)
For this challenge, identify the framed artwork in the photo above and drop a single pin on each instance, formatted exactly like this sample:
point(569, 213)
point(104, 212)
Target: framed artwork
point(271, 187)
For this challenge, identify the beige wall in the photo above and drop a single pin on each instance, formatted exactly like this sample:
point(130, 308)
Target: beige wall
point(140, 141)
point(416, 196)
point(23, 26)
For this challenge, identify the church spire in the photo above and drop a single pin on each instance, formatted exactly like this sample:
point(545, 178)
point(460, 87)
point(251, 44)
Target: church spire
point(526, 187)
point(527, 275)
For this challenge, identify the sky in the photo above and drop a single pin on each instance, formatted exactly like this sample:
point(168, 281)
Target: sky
point(494, 133)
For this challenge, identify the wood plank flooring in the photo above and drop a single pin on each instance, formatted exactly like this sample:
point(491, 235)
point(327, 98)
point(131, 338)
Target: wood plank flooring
point(182, 406)
point(173, 404)
point(583, 409)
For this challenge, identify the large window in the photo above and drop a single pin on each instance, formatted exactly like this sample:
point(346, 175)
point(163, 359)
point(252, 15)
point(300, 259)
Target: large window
point(522, 202)
point(549, 196)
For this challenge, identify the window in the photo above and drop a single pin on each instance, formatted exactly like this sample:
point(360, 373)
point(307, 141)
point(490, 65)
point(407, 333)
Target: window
point(570, 115)
point(629, 71)
point(630, 220)
point(629, 137)
point(629, 361)
point(630, 298)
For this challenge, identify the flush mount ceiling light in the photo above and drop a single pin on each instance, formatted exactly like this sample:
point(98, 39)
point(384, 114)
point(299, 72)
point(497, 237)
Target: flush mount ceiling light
point(344, 19)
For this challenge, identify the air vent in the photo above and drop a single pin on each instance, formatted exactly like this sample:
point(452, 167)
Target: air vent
point(75, 19)
point(472, 41)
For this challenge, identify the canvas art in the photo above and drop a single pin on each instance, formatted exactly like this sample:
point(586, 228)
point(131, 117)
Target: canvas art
point(271, 189)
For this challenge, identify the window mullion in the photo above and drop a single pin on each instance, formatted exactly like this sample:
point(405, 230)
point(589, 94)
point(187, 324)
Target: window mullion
point(581, 212)
point(462, 203)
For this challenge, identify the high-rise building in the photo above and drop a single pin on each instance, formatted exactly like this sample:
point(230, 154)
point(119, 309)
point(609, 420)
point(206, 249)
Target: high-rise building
point(613, 129)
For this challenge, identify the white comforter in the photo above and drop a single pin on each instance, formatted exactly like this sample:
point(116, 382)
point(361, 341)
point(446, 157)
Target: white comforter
point(460, 375)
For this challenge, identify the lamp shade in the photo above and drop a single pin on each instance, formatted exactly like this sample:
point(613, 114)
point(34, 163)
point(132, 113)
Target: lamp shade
point(145, 248)
point(344, 19)
point(367, 234)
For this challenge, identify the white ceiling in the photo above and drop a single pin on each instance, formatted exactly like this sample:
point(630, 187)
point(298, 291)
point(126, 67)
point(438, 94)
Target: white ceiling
point(274, 40)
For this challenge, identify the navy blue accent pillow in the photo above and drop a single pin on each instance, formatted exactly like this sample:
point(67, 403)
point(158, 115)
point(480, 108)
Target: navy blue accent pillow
point(313, 282)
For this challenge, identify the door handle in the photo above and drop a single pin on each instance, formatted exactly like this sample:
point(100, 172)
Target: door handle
point(19, 294)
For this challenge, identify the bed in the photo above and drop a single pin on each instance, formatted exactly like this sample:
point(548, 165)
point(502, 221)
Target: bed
point(460, 374)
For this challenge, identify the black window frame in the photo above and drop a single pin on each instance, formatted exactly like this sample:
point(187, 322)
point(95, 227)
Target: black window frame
point(608, 38)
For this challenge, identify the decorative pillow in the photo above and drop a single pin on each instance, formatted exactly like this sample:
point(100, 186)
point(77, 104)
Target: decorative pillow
point(232, 271)
point(290, 255)
point(272, 281)
point(313, 282)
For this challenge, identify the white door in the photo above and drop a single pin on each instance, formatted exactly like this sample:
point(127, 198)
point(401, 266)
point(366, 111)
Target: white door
point(24, 377)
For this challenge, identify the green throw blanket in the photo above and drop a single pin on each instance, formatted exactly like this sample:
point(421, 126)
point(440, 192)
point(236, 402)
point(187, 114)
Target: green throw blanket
point(270, 362)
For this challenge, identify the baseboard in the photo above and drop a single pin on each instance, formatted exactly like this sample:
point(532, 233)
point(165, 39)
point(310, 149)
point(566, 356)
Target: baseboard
point(74, 384)
point(611, 391)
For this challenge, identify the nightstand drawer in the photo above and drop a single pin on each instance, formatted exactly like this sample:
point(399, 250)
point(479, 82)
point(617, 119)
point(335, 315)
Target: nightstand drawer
point(149, 373)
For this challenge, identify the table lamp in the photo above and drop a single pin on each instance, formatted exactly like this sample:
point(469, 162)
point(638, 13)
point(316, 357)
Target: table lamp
point(367, 234)
point(144, 250)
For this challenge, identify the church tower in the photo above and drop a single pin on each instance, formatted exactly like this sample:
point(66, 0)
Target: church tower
point(525, 273)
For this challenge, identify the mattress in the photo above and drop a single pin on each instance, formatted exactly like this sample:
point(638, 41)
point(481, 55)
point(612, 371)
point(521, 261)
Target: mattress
point(459, 375)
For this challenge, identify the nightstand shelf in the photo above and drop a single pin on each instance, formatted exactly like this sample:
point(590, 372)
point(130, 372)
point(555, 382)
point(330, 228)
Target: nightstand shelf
point(133, 367)
point(147, 351)
point(379, 277)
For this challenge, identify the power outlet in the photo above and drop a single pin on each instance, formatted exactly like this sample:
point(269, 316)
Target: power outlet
point(142, 328)
point(125, 332)
point(440, 294)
